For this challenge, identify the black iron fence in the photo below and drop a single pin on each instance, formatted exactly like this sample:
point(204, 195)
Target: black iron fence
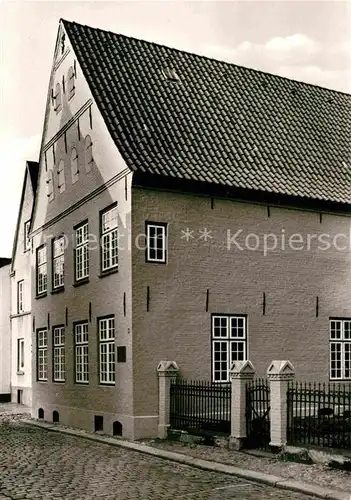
point(257, 414)
point(319, 414)
point(200, 405)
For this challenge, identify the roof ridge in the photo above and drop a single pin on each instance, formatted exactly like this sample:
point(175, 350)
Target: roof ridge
point(227, 63)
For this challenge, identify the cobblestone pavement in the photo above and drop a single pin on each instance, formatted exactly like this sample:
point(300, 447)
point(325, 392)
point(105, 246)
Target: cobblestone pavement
point(41, 465)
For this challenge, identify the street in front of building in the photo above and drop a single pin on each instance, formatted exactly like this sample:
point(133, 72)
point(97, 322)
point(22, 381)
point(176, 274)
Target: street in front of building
point(41, 465)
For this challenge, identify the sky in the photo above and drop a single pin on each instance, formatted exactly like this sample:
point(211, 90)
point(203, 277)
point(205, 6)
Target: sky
point(304, 40)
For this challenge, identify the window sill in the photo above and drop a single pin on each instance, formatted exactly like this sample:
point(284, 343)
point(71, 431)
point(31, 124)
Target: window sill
point(86, 384)
point(20, 372)
point(108, 272)
point(42, 381)
point(18, 315)
point(41, 295)
point(107, 384)
point(58, 290)
point(155, 261)
point(59, 381)
point(81, 282)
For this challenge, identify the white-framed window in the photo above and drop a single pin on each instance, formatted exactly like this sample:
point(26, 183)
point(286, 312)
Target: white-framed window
point(107, 361)
point(156, 242)
point(109, 239)
point(82, 251)
point(61, 176)
point(89, 159)
point(26, 236)
point(74, 165)
point(82, 352)
point(42, 276)
point(59, 353)
point(20, 355)
point(20, 297)
point(71, 83)
point(42, 354)
point(340, 349)
point(229, 343)
point(58, 262)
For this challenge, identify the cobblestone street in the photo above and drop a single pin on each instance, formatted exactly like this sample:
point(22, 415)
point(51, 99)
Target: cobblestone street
point(43, 465)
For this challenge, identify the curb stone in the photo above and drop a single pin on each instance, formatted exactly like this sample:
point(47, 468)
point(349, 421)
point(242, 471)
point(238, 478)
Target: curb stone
point(255, 476)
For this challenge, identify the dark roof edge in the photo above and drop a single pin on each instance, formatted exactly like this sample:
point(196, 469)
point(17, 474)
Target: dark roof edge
point(209, 58)
point(4, 261)
point(174, 184)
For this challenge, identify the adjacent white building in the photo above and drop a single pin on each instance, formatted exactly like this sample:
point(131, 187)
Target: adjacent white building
point(5, 336)
point(21, 319)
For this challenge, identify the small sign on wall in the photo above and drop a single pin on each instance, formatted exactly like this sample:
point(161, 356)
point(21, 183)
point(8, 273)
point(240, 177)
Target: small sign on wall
point(121, 354)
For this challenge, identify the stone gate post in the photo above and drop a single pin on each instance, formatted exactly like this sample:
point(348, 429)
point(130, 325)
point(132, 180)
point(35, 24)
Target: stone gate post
point(166, 371)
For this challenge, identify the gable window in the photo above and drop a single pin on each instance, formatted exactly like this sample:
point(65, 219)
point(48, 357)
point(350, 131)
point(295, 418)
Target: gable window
point(74, 165)
point(82, 252)
point(229, 343)
point(20, 355)
point(20, 306)
point(61, 176)
point(82, 352)
point(58, 251)
point(41, 270)
point(50, 185)
point(107, 350)
point(71, 83)
point(340, 349)
point(59, 353)
point(26, 236)
point(42, 354)
point(156, 242)
point(109, 239)
point(89, 160)
point(57, 98)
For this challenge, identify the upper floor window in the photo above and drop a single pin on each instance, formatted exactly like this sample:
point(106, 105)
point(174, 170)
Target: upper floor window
point(71, 83)
point(41, 270)
point(74, 165)
point(58, 251)
point(89, 160)
point(340, 349)
point(26, 236)
point(42, 354)
point(50, 185)
point(61, 176)
point(109, 239)
point(20, 355)
point(20, 305)
point(156, 242)
point(82, 252)
point(57, 98)
point(229, 343)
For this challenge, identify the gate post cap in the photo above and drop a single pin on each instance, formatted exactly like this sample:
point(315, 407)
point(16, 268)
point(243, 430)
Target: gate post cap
point(242, 369)
point(167, 368)
point(281, 369)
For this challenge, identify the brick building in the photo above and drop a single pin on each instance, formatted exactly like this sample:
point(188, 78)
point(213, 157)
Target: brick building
point(187, 209)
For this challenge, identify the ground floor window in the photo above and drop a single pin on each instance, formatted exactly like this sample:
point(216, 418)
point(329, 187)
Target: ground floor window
point(340, 349)
point(107, 350)
point(82, 352)
point(59, 353)
point(42, 354)
point(229, 343)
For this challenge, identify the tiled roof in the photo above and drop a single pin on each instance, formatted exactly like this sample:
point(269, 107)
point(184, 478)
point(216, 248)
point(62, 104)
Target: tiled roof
point(219, 123)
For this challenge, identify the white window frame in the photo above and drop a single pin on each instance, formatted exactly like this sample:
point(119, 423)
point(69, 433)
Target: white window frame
point(41, 270)
point(20, 296)
point(42, 354)
point(107, 351)
point(58, 262)
point(340, 348)
point(74, 166)
point(156, 233)
point(109, 239)
point(81, 336)
point(228, 343)
point(58, 343)
point(82, 252)
point(26, 236)
point(20, 355)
